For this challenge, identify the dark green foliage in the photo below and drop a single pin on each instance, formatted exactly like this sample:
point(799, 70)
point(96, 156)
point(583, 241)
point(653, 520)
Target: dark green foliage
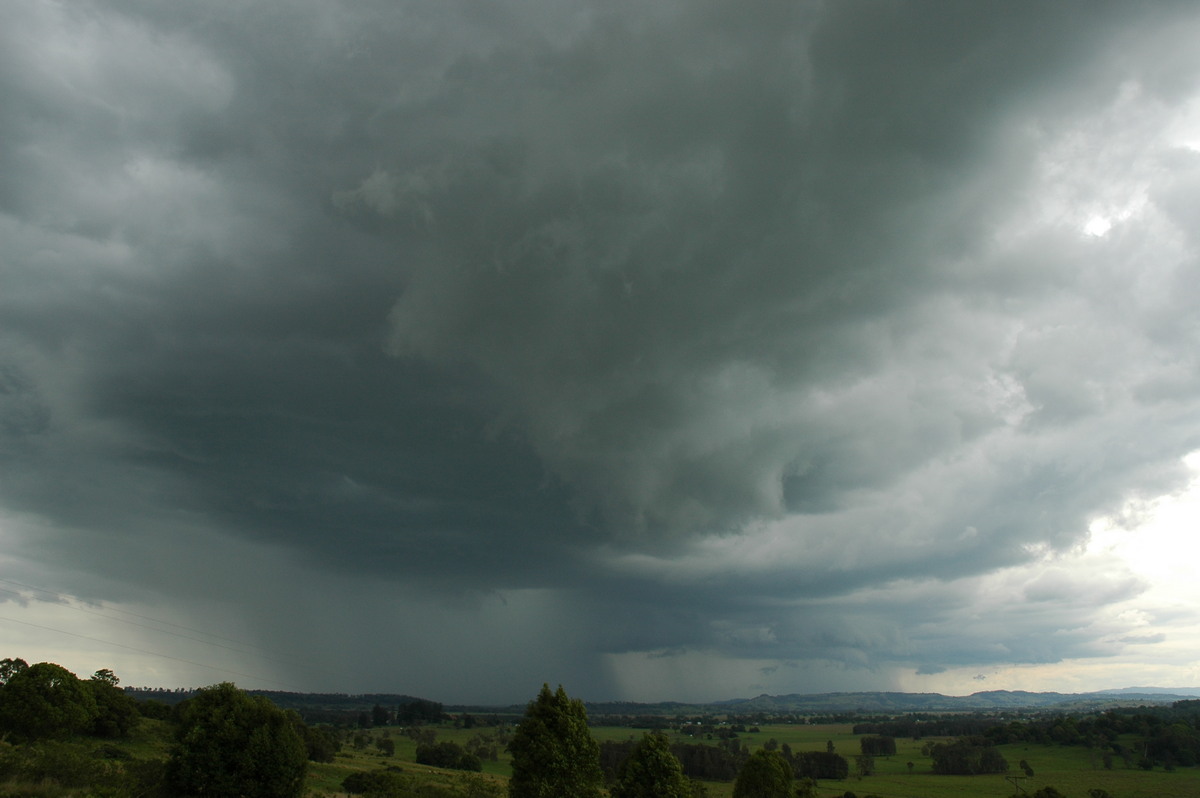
point(112, 752)
point(10, 667)
point(421, 735)
point(153, 708)
point(820, 765)
point(484, 746)
point(553, 753)
point(707, 762)
point(1096, 792)
point(652, 771)
point(375, 782)
point(473, 786)
point(386, 746)
point(236, 745)
point(806, 788)
point(63, 764)
point(45, 701)
point(877, 746)
point(418, 711)
point(968, 756)
point(766, 774)
point(447, 754)
point(320, 743)
point(1048, 792)
point(116, 713)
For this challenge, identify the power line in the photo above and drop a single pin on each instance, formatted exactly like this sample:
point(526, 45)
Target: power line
point(163, 631)
point(66, 598)
point(72, 602)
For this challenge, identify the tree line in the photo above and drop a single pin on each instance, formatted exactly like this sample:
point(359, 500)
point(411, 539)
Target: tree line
point(225, 742)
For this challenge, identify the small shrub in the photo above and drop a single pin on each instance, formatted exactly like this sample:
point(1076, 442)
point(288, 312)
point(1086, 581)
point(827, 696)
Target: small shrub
point(374, 782)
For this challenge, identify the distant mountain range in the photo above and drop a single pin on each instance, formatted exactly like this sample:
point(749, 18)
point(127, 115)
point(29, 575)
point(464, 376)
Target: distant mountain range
point(794, 703)
point(927, 702)
point(890, 702)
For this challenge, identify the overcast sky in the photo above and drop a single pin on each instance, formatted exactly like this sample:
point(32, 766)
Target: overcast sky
point(664, 350)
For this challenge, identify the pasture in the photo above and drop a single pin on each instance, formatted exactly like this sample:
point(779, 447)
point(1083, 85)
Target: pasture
point(1072, 770)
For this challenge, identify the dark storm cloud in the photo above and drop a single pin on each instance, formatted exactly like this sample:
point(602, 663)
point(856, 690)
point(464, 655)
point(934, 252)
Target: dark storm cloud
point(712, 319)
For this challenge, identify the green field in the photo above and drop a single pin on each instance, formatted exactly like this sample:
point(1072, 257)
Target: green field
point(1073, 770)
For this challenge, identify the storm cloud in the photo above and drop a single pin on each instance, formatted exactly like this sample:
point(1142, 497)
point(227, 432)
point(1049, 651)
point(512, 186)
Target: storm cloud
point(793, 346)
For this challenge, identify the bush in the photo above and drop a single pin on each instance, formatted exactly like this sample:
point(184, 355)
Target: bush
point(820, 765)
point(448, 754)
point(45, 701)
point(967, 756)
point(375, 782)
point(235, 745)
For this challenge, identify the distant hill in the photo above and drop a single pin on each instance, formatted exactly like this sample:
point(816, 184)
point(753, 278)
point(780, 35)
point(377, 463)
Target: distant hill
point(791, 704)
point(1174, 691)
point(867, 702)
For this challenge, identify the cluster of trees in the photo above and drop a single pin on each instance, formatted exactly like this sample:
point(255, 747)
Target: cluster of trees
point(47, 701)
point(818, 764)
point(1169, 736)
point(967, 756)
point(698, 761)
point(418, 711)
point(226, 742)
point(554, 754)
point(412, 712)
point(921, 725)
point(447, 754)
point(877, 745)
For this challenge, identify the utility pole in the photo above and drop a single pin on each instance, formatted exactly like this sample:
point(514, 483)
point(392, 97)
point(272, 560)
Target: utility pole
point(1016, 782)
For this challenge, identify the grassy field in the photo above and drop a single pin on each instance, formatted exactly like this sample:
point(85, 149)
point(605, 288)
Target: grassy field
point(1072, 770)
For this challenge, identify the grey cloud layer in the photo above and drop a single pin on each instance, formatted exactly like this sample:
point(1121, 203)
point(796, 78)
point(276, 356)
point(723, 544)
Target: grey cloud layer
point(711, 317)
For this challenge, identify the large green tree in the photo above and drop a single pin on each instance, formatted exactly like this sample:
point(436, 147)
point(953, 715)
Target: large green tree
point(766, 774)
point(553, 753)
point(10, 667)
point(652, 771)
point(45, 701)
point(234, 745)
point(116, 713)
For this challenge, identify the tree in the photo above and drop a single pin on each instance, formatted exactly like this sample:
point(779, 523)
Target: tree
point(107, 676)
point(10, 667)
point(448, 754)
point(553, 753)
point(116, 713)
point(652, 771)
point(45, 701)
point(877, 745)
point(967, 756)
point(766, 774)
point(820, 765)
point(234, 745)
point(320, 743)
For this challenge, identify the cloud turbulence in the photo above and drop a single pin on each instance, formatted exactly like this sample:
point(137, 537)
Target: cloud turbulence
point(664, 350)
